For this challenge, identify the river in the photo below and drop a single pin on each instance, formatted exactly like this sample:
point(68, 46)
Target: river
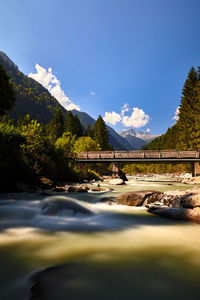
point(117, 252)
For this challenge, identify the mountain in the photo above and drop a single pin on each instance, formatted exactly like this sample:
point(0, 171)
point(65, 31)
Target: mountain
point(137, 139)
point(118, 142)
point(32, 97)
point(35, 100)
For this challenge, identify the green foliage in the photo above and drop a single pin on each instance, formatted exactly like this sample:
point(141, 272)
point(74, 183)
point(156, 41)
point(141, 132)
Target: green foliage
point(83, 144)
point(66, 143)
point(156, 168)
point(12, 165)
point(27, 154)
point(101, 135)
point(7, 94)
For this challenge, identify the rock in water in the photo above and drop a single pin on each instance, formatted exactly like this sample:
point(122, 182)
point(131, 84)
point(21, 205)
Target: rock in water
point(122, 175)
point(117, 181)
point(75, 189)
point(108, 200)
point(186, 214)
point(96, 189)
point(53, 207)
point(196, 180)
point(191, 200)
point(138, 198)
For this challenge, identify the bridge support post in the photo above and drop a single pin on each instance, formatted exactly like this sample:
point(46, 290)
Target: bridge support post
point(195, 169)
point(85, 169)
point(117, 172)
point(115, 168)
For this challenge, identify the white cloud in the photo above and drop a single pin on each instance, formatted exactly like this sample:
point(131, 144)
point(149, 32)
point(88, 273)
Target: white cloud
point(50, 82)
point(125, 108)
point(176, 117)
point(112, 118)
point(92, 93)
point(137, 119)
point(148, 130)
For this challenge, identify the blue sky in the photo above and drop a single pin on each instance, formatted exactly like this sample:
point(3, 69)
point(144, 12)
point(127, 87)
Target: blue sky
point(106, 53)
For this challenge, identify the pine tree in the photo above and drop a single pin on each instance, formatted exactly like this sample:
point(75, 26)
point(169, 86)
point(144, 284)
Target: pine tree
point(56, 127)
point(78, 131)
point(186, 111)
point(89, 131)
point(69, 122)
point(101, 135)
point(195, 129)
point(7, 93)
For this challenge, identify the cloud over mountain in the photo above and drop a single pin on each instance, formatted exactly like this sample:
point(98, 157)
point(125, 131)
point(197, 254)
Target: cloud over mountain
point(50, 81)
point(138, 118)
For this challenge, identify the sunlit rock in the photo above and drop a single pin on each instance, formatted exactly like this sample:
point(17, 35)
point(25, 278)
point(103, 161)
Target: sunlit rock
point(139, 198)
point(116, 181)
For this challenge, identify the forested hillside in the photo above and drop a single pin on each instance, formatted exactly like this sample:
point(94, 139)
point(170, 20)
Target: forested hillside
point(32, 97)
point(185, 134)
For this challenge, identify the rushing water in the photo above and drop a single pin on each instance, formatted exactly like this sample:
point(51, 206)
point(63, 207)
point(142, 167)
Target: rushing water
point(116, 252)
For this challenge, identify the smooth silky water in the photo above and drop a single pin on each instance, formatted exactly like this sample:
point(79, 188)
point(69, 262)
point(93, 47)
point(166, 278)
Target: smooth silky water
point(119, 252)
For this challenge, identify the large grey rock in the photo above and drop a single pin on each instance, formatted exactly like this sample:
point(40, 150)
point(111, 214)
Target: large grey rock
point(138, 198)
point(58, 205)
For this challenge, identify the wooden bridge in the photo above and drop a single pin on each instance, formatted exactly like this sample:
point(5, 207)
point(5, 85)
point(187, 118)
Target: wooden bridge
point(140, 156)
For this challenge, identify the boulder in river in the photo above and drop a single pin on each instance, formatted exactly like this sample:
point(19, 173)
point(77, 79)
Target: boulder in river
point(96, 189)
point(191, 200)
point(53, 207)
point(116, 181)
point(183, 205)
point(138, 198)
point(181, 213)
point(75, 189)
point(196, 179)
point(59, 189)
point(108, 200)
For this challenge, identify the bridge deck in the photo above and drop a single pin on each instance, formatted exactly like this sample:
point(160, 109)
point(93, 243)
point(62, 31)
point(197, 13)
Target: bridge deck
point(139, 156)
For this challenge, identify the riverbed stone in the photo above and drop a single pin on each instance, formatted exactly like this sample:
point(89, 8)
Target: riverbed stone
point(190, 200)
point(137, 198)
point(181, 213)
point(53, 207)
point(116, 181)
point(75, 189)
point(96, 189)
point(196, 180)
point(108, 200)
point(59, 189)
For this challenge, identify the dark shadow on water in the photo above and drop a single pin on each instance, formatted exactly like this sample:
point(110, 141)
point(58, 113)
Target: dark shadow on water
point(145, 281)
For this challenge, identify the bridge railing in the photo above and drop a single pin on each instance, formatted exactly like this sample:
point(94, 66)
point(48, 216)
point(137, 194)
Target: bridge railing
point(138, 154)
